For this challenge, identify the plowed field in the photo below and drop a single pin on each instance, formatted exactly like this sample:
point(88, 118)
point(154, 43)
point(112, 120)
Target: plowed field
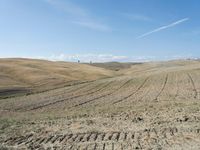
point(147, 106)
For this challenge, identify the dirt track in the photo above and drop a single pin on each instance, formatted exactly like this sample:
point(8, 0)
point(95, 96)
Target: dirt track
point(147, 139)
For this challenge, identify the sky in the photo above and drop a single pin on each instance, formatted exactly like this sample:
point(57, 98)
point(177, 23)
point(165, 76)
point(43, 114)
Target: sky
point(100, 30)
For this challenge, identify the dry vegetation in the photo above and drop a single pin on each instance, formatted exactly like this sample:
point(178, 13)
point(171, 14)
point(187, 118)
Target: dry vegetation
point(26, 76)
point(145, 106)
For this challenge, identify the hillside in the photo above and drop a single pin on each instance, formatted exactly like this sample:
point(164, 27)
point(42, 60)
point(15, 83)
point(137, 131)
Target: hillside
point(154, 105)
point(116, 66)
point(21, 76)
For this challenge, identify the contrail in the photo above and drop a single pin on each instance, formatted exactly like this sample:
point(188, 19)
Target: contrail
point(163, 27)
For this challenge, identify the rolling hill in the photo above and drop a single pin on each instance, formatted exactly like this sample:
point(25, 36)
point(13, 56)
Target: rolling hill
point(22, 76)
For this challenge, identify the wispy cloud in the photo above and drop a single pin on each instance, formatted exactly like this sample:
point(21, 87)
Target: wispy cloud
point(163, 28)
point(136, 17)
point(79, 15)
point(93, 25)
point(99, 58)
point(68, 7)
point(88, 57)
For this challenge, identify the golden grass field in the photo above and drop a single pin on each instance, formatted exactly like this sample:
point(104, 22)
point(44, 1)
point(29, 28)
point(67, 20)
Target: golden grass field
point(26, 76)
point(60, 105)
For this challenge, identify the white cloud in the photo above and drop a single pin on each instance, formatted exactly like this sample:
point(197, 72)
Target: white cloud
point(100, 58)
point(110, 58)
point(163, 28)
point(88, 57)
point(104, 57)
point(78, 15)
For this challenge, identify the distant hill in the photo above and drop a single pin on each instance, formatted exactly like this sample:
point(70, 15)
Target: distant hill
point(22, 76)
point(116, 66)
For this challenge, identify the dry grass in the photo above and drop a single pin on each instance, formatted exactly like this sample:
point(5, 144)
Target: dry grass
point(18, 76)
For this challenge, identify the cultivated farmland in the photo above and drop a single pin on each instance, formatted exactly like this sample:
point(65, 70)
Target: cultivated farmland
point(142, 106)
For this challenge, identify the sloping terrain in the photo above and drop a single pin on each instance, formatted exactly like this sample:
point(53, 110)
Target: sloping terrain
point(152, 105)
point(22, 76)
point(116, 66)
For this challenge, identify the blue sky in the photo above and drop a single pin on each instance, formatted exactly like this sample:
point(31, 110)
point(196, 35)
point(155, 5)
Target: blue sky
point(100, 30)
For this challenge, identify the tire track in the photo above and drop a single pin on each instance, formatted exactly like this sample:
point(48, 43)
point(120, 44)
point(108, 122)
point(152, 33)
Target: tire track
point(72, 89)
point(177, 91)
point(140, 87)
point(193, 85)
point(183, 91)
point(163, 87)
point(152, 137)
point(177, 88)
point(51, 98)
point(67, 99)
point(102, 96)
point(143, 96)
point(78, 88)
point(69, 88)
point(88, 83)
